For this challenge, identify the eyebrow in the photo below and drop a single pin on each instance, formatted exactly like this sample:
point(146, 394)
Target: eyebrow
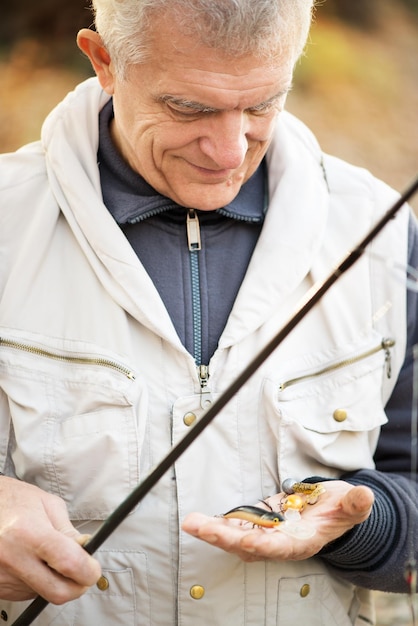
point(204, 108)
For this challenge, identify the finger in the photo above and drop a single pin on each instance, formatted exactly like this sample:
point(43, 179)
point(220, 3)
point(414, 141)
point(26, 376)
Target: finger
point(27, 574)
point(46, 582)
point(66, 557)
point(59, 552)
point(57, 514)
point(73, 533)
point(82, 539)
point(56, 511)
point(247, 542)
point(357, 503)
point(192, 523)
point(210, 529)
point(227, 535)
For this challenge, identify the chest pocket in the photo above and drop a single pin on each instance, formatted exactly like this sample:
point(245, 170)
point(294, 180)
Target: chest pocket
point(72, 420)
point(327, 419)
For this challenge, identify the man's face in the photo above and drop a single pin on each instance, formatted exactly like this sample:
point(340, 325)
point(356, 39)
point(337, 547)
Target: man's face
point(194, 122)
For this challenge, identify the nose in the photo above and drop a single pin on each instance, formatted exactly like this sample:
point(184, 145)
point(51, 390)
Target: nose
point(225, 140)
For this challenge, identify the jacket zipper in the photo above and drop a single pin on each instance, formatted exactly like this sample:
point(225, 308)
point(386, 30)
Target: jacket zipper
point(16, 345)
point(195, 245)
point(205, 392)
point(385, 345)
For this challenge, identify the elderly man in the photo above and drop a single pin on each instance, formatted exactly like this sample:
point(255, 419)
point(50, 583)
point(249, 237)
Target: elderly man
point(164, 228)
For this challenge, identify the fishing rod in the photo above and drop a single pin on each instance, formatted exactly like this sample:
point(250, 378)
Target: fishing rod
point(309, 301)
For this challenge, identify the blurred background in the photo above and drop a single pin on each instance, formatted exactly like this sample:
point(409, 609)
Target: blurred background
point(356, 87)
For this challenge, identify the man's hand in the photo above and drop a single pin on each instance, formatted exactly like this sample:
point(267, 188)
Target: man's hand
point(40, 550)
point(341, 507)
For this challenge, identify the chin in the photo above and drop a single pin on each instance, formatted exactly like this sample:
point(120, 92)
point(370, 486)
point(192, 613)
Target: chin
point(207, 206)
point(206, 201)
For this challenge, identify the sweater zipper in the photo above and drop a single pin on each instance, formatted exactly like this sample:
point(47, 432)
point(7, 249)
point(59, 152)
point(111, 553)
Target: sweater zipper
point(385, 345)
point(195, 245)
point(77, 360)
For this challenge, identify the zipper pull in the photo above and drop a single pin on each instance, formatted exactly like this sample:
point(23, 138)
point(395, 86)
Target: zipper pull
point(386, 345)
point(206, 396)
point(193, 231)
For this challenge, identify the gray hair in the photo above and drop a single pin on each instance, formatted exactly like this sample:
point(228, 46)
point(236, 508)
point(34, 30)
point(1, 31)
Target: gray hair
point(236, 27)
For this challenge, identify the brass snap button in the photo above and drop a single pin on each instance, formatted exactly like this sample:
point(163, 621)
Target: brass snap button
point(189, 419)
point(305, 591)
point(340, 415)
point(102, 584)
point(197, 592)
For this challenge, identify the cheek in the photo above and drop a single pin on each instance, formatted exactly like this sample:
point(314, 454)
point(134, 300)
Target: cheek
point(136, 128)
point(262, 129)
point(158, 152)
point(142, 143)
point(171, 137)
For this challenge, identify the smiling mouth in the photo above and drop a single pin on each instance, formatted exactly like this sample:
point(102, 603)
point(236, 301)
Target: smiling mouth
point(213, 174)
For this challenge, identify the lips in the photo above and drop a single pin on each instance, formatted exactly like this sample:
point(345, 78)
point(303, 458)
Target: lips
point(212, 174)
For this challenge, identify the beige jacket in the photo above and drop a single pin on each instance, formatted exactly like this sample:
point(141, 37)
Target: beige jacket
point(95, 384)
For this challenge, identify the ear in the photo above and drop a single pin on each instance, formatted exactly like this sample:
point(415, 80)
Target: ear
point(92, 45)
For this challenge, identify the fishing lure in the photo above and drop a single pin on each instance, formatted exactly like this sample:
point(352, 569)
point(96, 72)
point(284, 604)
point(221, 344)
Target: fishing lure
point(293, 502)
point(271, 519)
point(256, 515)
point(311, 491)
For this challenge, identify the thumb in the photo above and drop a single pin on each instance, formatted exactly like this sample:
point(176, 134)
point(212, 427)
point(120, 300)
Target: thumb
point(69, 531)
point(58, 516)
point(81, 539)
point(357, 503)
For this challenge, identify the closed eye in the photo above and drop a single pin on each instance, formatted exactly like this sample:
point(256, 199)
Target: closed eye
point(187, 108)
point(192, 109)
point(263, 109)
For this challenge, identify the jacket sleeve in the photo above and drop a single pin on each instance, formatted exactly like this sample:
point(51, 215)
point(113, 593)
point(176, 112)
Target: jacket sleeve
point(377, 553)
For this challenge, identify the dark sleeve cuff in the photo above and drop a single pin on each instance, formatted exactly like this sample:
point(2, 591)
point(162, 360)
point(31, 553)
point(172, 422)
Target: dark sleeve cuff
point(368, 544)
point(375, 553)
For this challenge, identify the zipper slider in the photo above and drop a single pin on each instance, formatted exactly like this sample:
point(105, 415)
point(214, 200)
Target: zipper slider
point(193, 231)
point(386, 345)
point(206, 396)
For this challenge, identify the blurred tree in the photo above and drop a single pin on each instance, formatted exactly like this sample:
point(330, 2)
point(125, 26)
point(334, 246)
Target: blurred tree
point(361, 13)
point(52, 20)
point(57, 21)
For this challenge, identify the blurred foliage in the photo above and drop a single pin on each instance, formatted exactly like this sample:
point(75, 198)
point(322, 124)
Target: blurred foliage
point(53, 19)
point(57, 21)
point(52, 22)
point(361, 13)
